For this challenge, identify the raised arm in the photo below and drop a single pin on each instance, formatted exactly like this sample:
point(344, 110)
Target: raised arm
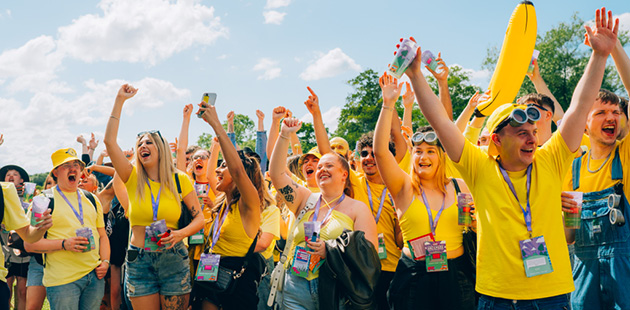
point(394, 177)
point(92, 146)
point(215, 148)
point(121, 164)
point(602, 38)
point(622, 63)
point(441, 75)
point(230, 128)
point(261, 141)
point(397, 137)
point(296, 147)
point(407, 100)
point(448, 133)
point(182, 143)
point(464, 117)
point(312, 104)
point(541, 88)
point(293, 194)
point(249, 205)
point(276, 116)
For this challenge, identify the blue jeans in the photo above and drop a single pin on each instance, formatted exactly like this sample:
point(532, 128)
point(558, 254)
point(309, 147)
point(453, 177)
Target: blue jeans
point(560, 302)
point(166, 272)
point(264, 287)
point(299, 293)
point(35, 273)
point(85, 293)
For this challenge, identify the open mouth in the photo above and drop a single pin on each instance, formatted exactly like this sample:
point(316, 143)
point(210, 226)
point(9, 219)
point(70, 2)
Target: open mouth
point(72, 177)
point(324, 176)
point(425, 165)
point(609, 130)
point(199, 166)
point(309, 172)
point(527, 151)
point(145, 154)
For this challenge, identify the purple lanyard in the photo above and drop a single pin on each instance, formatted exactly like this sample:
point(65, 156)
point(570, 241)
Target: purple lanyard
point(433, 223)
point(79, 198)
point(527, 213)
point(380, 207)
point(216, 229)
point(155, 204)
point(330, 209)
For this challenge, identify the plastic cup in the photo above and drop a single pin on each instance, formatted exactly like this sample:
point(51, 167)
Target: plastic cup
point(40, 204)
point(403, 58)
point(573, 219)
point(29, 190)
point(531, 64)
point(464, 203)
point(429, 59)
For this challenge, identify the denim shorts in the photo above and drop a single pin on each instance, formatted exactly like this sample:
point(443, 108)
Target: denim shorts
point(166, 272)
point(560, 302)
point(35, 273)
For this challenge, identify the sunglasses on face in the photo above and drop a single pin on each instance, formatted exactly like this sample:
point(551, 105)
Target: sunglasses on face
point(538, 106)
point(151, 132)
point(366, 153)
point(429, 137)
point(519, 117)
point(202, 157)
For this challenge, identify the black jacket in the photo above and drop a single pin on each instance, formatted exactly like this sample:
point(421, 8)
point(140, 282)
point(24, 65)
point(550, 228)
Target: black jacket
point(351, 269)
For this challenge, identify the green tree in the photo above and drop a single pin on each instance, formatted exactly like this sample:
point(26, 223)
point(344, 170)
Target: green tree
point(39, 178)
point(563, 57)
point(458, 86)
point(307, 136)
point(244, 131)
point(205, 140)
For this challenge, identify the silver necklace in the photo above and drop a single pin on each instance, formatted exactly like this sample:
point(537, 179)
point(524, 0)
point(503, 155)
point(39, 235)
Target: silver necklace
point(588, 162)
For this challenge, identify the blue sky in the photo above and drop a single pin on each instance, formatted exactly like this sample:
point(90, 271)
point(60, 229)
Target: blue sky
point(61, 65)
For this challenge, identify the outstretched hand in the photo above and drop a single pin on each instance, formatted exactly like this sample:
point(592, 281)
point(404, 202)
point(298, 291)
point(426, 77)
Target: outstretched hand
point(93, 142)
point(290, 125)
point(209, 114)
point(603, 36)
point(441, 73)
point(230, 117)
point(391, 89)
point(260, 115)
point(409, 97)
point(278, 113)
point(81, 140)
point(126, 91)
point(188, 110)
point(312, 103)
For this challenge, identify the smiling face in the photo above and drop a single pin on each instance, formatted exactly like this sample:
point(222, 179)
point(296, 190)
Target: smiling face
point(200, 162)
point(68, 175)
point(89, 183)
point(330, 172)
point(368, 163)
point(426, 159)
point(517, 145)
point(309, 166)
point(603, 123)
point(14, 177)
point(146, 151)
point(224, 178)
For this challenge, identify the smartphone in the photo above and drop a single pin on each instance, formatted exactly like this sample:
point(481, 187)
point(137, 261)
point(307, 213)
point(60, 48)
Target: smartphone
point(208, 98)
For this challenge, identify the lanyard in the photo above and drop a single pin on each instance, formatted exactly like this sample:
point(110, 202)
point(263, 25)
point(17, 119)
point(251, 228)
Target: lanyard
point(330, 209)
point(433, 223)
point(382, 201)
point(155, 204)
point(527, 213)
point(216, 229)
point(79, 198)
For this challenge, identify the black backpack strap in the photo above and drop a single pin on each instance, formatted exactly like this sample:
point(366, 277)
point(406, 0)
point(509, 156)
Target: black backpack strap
point(1, 204)
point(91, 198)
point(179, 187)
point(457, 189)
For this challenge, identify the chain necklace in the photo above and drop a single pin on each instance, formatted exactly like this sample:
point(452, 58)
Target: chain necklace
point(588, 162)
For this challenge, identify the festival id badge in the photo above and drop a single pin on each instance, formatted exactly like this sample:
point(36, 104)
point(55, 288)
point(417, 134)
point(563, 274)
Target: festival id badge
point(382, 251)
point(150, 239)
point(436, 259)
point(417, 246)
point(535, 256)
point(208, 268)
point(86, 232)
point(196, 238)
point(159, 228)
point(301, 262)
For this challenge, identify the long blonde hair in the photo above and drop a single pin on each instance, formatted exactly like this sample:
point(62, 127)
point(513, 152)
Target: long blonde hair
point(440, 174)
point(166, 170)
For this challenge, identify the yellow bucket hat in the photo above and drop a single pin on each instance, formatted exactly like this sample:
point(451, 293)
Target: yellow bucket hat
point(62, 156)
point(314, 151)
point(497, 117)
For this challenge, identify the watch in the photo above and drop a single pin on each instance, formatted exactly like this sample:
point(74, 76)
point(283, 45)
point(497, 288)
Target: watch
point(107, 261)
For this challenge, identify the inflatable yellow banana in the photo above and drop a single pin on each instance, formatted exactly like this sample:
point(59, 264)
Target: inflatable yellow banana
point(516, 54)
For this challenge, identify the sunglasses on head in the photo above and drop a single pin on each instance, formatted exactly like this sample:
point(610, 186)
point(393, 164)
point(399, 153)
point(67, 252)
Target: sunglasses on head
point(519, 117)
point(429, 138)
point(151, 132)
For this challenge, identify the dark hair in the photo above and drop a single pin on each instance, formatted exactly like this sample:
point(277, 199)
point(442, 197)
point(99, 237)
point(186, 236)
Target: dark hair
point(606, 96)
point(367, 139)
point(192, 149)
point(623, 105)
point(293, 162)
point(539, 99)
point(251, 153)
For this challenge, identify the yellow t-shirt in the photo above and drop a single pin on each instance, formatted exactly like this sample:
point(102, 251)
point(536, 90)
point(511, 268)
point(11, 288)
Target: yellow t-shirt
point(472, 133)
point(592, 182)
point(140, 208)
point(14, 217)
point(63, 267)
point(386, 221)
point(405, 162)
point(233, 240)
point(500, 222)
point(270, 223)
point(415, 223)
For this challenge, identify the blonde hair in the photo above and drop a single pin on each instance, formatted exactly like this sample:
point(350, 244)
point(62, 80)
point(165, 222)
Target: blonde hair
point(166, 170)
point(440, 173)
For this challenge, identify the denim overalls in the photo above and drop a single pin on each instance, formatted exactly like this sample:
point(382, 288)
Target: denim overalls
point(601, 271)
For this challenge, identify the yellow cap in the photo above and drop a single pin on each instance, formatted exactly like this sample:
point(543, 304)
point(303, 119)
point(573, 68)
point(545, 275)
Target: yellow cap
point(63, 156)
point(496, 118)
point(314, 151)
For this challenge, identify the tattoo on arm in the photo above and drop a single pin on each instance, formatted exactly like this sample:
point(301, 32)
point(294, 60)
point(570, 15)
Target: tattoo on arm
point(288, 193)
point(194, 212)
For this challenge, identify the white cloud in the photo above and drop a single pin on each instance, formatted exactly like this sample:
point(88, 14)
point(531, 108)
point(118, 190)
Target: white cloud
point(274, 17)
point(269, 67)
point(222, 56)
point(140, 31)
point(274, 4)
point(480, 78)
point(330, 117)
point(335, 62)
point(47, 121)
point(624, 21)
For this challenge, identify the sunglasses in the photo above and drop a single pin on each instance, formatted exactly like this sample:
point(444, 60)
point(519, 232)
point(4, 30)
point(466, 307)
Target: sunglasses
point(202, 157)
point(429, 138)
point(519, 117)
point(366, 153)
point(151, 132)
point(538, 106)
